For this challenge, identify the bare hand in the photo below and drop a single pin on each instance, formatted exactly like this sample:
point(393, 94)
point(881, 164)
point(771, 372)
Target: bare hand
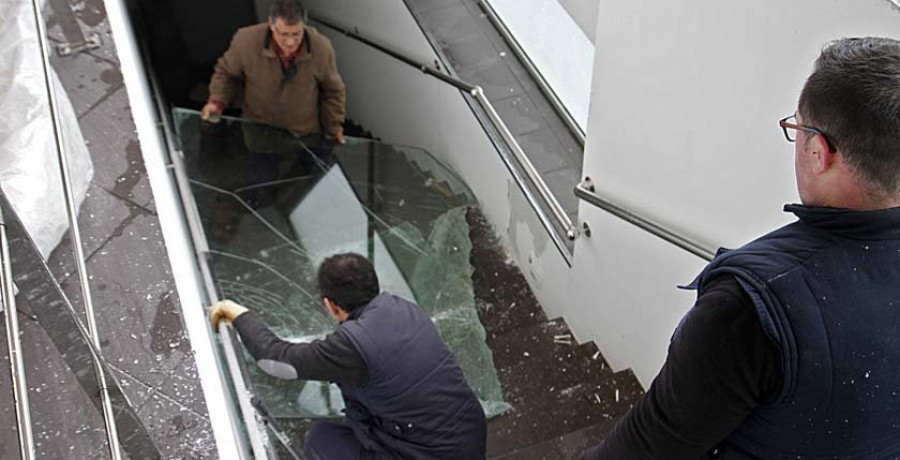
point(339, 136)
point(224, 310)
point(211, 112)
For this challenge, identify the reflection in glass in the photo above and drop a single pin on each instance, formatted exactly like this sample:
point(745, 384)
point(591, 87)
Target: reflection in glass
point(274, 205)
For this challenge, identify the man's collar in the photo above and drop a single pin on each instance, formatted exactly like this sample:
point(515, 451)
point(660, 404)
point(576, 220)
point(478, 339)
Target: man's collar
point(881, 224)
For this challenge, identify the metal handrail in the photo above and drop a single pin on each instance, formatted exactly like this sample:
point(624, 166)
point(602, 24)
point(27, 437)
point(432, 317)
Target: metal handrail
point(467, 87)
point(259, 441)
point(532, 70)
point(586, 191)
point(16, 363)
point(559, 213)
point(112, 433)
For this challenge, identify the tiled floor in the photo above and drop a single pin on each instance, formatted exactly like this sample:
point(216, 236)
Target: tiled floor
point(478, 55)
point(137, 307)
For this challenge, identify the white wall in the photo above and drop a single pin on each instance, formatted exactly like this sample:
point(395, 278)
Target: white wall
point(584, 13)
point(686, 96)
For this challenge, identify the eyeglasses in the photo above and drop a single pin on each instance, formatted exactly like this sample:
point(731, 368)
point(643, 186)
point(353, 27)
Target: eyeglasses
point(790, 127)
point(292, 34)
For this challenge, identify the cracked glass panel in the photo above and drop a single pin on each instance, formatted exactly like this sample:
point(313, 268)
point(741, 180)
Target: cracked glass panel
point(274, 205)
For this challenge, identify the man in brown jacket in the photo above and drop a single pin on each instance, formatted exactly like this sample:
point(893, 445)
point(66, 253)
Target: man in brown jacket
point(287, 72)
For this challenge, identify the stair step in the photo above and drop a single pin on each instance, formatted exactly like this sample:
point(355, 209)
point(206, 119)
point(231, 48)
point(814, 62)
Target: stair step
point(529, 382)
point(534, 341)
point(569, 446)
point(564, 411)
point(505, 302)
point(529, 343)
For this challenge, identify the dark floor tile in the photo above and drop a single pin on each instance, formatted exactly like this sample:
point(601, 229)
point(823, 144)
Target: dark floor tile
point(421, 6)
point(534, 379)
point(563, 411)
point(88, 80)
point(562, 185)
point(86, 14)
point(135, 303)
point(493, 36)
point(179, 434)
point(544, 151)
point(135, 390)
point(118, 163)
point(66, 422)
point(449, 23)
point(107, 49)
point(494, 77)
point(471, 50)
point(100, 216)
point(528, 343)
point(183, 386)
point(519, 114)
point(9, 437)
point(570, 446)
point(571, 149)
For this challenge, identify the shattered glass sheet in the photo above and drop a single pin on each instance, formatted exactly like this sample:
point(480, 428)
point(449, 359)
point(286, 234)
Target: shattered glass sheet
point(273, 206)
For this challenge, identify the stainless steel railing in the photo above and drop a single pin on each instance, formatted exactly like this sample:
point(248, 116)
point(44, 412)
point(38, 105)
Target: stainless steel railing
point(532, 70)
point(75, 234)
point(561, 218)
point(16, 363)
point(586, 191)
point(259, 442)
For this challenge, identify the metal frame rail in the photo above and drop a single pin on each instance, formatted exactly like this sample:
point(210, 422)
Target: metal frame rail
point(109, 420)
point(544, 86)
point(550, 201)
point(587, 192)
point(16, 363)
point(259, 441)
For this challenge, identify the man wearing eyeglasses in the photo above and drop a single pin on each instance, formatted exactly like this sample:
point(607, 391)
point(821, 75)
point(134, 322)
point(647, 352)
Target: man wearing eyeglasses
point(287, 72)
point(792, 349)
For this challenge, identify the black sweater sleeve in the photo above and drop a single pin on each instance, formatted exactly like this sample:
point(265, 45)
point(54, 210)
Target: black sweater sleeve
point(720, 366)
point(332, 359)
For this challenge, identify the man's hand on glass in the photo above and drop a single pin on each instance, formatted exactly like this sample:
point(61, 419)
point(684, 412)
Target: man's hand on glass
point(211, 111)
point(339, 136)
point(224, 310)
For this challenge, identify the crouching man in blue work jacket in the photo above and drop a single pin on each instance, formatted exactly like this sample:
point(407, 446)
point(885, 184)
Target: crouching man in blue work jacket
point(404, 392)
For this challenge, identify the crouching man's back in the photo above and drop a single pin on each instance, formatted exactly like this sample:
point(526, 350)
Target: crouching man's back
point(426, 411)
point(404, 392)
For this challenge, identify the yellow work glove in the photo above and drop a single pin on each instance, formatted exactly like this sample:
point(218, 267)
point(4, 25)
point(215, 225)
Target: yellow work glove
point(224, 310)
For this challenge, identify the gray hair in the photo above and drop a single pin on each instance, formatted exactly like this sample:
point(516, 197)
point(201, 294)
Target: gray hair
point(291, 11)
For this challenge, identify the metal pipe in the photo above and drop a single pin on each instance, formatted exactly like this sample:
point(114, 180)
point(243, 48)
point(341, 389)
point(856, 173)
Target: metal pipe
point(467, 87)
point(532, 70)
point(108, 414)
point(16, 362)
point(586, 192)
point(555, 207)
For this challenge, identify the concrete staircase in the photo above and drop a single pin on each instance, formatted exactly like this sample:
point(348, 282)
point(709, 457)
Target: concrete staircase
point(565, 397)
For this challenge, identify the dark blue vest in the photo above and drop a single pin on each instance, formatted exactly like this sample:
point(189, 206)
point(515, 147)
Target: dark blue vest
point(416, 402)
point(827, 292)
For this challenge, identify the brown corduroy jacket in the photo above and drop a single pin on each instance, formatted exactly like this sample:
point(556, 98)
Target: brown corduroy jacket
point(310, 101)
